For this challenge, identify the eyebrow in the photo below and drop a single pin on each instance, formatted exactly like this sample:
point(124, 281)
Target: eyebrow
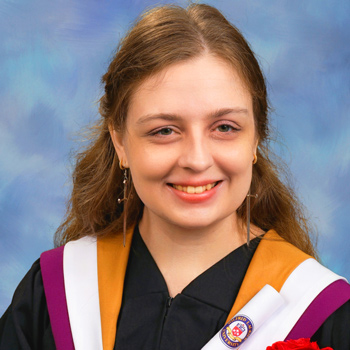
point(174, 117)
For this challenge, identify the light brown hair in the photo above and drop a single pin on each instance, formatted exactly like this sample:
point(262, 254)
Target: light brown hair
point(162, 37)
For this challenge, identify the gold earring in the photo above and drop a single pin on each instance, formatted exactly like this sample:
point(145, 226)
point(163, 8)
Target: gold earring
point(255, 159)
point(121, 166)
point(248, 214)
point(124, 199)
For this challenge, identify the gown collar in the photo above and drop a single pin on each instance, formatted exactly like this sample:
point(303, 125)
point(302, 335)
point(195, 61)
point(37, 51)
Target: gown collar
point(218, 286)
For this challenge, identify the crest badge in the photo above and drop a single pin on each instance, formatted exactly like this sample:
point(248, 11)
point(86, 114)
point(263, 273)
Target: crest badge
point(236, 331)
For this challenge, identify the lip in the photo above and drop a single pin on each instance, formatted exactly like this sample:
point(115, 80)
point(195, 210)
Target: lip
point(195, 197)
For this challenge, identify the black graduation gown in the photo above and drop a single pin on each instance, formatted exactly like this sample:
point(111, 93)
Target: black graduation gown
point(149, 319)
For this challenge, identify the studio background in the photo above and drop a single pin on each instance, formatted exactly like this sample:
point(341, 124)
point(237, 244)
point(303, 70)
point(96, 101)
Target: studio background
point(53, 53)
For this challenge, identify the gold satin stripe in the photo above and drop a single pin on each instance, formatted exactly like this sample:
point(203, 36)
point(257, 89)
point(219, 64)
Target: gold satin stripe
point(274, 260)
point(112, 260)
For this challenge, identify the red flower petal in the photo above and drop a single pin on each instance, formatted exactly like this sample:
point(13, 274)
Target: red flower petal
point(297, 344)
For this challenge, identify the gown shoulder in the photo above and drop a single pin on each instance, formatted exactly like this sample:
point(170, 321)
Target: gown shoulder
point(25, 324)
point(334, 332)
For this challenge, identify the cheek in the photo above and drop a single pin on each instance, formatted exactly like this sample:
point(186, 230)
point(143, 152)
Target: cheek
point(237, 168)
point(148, 163)
point(236, 165)
point(236, 161)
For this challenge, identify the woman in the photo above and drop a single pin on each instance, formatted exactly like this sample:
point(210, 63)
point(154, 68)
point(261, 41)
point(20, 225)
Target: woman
point(176, 180)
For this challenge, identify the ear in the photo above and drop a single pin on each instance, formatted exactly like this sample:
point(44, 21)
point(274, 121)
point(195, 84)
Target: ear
point(256, 146)
point(118, 144)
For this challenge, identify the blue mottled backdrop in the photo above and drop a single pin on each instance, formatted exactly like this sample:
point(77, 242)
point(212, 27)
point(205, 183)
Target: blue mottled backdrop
point(53, 53)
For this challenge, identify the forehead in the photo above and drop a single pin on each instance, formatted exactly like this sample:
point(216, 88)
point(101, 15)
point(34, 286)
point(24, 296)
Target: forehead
point(193, 87)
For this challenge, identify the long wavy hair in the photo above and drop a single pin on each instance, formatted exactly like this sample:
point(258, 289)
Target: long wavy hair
point(162, 37)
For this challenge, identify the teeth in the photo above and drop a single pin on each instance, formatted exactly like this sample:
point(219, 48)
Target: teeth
point(192, 189)
point(199, 189)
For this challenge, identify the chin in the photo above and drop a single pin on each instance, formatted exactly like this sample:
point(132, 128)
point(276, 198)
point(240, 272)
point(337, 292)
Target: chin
point(195, 223)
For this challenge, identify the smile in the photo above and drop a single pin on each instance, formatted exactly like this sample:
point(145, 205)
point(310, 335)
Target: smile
point(195, 189)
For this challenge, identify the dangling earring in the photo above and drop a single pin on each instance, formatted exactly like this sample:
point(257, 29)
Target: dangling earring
point(124, 199)
point(248, 214)
point(248, 206)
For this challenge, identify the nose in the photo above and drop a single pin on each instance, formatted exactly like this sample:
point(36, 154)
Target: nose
point(196, 154)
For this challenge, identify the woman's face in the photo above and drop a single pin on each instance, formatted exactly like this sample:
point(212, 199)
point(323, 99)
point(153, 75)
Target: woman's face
point(190, 143)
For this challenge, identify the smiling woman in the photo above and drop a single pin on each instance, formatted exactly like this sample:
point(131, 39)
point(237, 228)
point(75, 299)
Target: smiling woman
point(154, 252)
point(206, 149)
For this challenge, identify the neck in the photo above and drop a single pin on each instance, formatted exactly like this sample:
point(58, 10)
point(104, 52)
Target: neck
point(182, 254)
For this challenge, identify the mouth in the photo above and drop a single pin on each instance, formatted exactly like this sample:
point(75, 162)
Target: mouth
point(195, 189)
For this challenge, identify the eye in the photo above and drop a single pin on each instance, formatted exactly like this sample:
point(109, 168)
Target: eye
point(164, 131)
point(224, 128)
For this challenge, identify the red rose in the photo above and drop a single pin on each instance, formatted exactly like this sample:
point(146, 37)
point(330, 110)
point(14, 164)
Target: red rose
point(299, 344)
